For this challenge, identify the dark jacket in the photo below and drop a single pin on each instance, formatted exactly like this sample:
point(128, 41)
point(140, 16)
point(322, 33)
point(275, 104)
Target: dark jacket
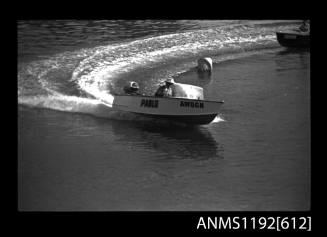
point(164, 91)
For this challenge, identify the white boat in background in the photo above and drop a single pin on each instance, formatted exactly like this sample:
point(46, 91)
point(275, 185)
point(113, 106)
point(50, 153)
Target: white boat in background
point(294, 39)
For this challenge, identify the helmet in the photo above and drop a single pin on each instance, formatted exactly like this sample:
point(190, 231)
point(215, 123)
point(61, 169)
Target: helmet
point(134, 85)
point(170, 80)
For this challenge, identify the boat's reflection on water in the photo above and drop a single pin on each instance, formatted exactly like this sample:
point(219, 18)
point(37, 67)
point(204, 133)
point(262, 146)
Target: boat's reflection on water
point(169, 140)
point(137, 134)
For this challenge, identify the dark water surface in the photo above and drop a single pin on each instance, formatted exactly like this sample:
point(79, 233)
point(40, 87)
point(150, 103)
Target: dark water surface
point(77, 154)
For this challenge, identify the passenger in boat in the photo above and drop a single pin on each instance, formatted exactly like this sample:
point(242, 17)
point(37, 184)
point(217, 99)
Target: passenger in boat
point(166, 90)
point(132, 89)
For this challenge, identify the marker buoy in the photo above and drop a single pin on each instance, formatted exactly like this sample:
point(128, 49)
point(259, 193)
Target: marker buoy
point(205, 64)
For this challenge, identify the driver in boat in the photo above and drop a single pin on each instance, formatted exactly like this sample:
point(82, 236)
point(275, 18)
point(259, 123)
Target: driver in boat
point(132, 89)
point(166, 90)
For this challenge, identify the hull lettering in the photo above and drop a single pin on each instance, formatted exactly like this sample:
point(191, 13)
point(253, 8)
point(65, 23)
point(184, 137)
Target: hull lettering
point(149, 103)
point(191, 104)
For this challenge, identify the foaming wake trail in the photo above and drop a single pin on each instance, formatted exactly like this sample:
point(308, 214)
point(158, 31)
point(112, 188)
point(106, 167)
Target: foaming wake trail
point(67, 104)
point(100, 70)
point(62, 81)
point(79, 105)
point(46, 84)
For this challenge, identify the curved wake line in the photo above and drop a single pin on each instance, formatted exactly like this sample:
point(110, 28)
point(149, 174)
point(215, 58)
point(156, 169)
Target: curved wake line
point(95, 70)
point(105, 68)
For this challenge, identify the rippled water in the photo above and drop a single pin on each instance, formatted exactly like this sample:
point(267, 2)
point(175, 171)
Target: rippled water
point(77, 154)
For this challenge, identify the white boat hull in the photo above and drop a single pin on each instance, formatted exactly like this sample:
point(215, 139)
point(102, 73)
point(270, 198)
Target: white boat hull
point(183, 110)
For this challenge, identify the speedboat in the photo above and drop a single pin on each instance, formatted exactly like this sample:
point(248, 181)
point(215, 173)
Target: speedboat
point(294, 38)
point(188, 106)
point(189, 111)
